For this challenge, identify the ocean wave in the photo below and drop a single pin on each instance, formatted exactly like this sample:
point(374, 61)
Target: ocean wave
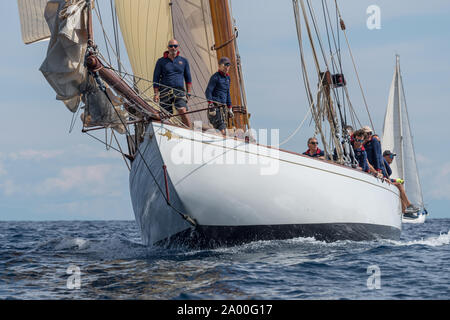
point(442, 240)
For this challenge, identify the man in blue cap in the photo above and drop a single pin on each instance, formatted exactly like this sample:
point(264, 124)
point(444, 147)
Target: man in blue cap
point(218, 95)
point(171, 71)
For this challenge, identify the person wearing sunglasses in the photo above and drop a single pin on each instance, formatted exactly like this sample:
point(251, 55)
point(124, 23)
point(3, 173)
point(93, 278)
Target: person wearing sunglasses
point(408, 208)
point(218, 95)
point(360, 152)
point(171, 73)
point(372, 145)
point(313, 149)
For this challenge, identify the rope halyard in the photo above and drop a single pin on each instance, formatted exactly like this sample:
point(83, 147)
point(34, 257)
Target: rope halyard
point(332, 100)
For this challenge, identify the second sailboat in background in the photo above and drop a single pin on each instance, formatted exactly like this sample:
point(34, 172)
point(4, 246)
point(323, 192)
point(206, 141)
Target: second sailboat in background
point(397, 137)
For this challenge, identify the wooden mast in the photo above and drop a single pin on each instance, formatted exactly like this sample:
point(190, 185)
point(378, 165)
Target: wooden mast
point(225, 47)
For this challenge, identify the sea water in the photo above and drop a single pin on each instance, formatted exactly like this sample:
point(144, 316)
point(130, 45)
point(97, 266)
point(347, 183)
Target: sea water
point(106, 260)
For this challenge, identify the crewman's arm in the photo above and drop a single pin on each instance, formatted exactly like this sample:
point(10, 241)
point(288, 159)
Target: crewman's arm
point(229, 105)
point(377, 149)
point(187, 77)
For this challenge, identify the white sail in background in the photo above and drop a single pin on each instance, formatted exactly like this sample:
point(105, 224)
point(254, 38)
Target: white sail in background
point(397, 137)
point(32, 22)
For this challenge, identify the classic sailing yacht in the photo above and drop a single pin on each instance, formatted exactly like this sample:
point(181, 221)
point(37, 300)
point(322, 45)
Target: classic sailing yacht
point(397, 138)
point(192, 185)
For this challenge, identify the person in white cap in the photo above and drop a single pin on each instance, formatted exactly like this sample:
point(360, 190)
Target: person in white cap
point(372, 145)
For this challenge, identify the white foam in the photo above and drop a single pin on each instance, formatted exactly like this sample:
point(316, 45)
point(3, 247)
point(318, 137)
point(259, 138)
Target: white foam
point(68, 243)
point(441, 240)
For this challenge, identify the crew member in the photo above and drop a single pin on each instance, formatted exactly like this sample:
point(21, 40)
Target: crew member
point(360, 152)
point(407, 207)
point(313, 150)
point(171, 71)
point(218, 95)
point(372, 145)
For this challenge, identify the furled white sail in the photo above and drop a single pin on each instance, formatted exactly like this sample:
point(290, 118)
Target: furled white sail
point(397, 137)
point(32, 23)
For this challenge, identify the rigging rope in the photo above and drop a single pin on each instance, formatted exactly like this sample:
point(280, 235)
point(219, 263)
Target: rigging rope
point(298, 128)
point(354, 66)
point(184, 216)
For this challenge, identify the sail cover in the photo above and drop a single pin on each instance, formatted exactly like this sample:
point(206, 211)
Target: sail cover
point(32, 22)
point(148, 25)
point(397, 137)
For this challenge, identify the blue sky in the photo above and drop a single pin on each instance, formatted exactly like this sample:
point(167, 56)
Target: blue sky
point(47, 173)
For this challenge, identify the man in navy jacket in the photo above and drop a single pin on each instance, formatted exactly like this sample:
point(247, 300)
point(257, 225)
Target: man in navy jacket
point(218, 95)
point(373, 150)
point(170, 74)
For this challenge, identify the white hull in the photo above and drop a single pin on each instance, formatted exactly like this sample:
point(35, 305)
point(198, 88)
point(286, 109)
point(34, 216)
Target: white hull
point(255, 197)
point(420, 219)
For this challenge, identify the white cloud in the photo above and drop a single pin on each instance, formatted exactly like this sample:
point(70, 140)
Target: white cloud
point(2, 169)
point(422, 159)
point(31, 154)
point(92, 179)
point(439, 188)
point(9, 187)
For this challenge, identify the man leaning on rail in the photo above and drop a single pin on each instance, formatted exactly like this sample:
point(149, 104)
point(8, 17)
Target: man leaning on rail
point(171, 71)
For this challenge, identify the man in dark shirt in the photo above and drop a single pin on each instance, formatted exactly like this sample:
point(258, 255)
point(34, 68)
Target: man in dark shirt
point(171, 71)
point(313, 150)
point(360, 152)
point(373, 150)
point(218, 95)
point(387, 155)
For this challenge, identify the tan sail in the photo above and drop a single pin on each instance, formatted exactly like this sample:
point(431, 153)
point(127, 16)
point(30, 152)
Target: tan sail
point(32, 22)
point(192, 26)
point(146, 27)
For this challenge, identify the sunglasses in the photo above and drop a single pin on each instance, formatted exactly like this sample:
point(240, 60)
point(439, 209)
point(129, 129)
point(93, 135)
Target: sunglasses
point(227, 64)
point(173, 46)
point(313, 143)
point(360, 140)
